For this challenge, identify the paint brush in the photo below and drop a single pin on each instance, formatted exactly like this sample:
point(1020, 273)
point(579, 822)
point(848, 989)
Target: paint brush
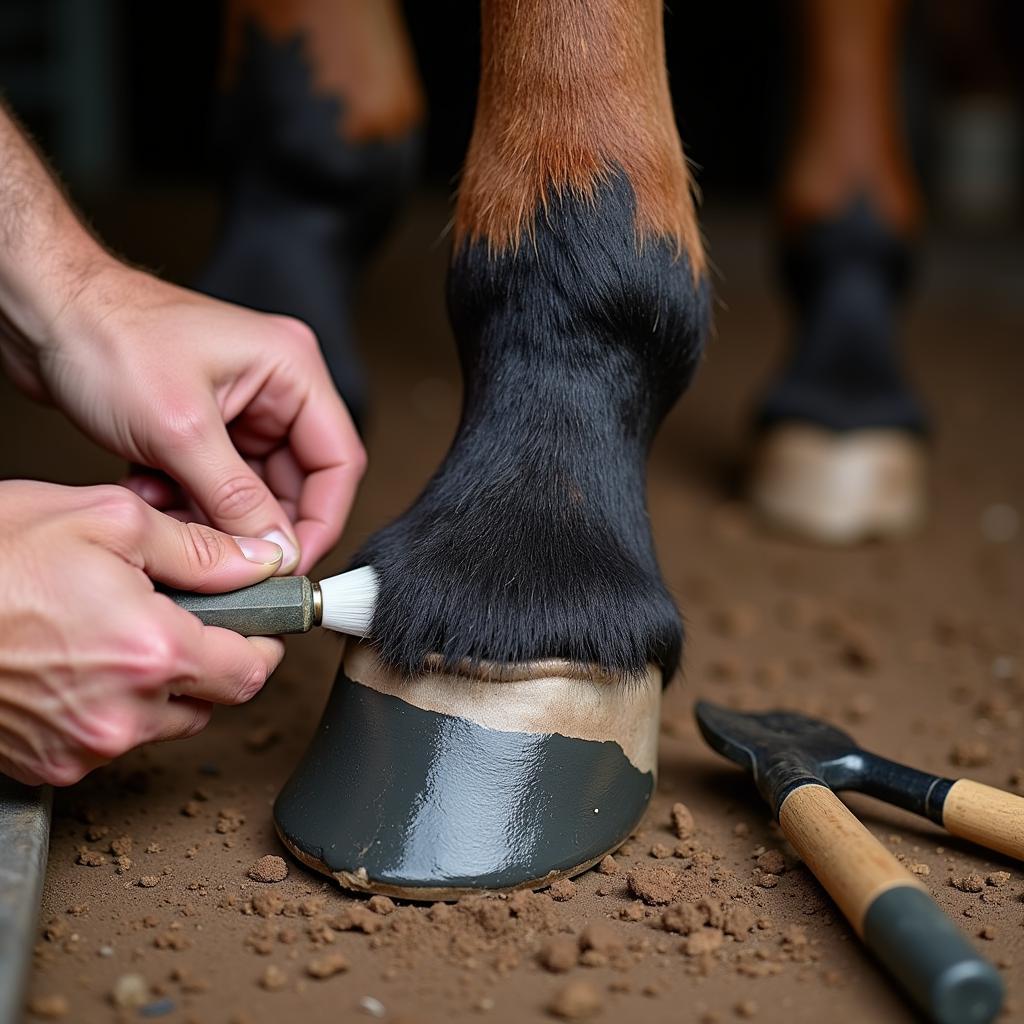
point(289, 604)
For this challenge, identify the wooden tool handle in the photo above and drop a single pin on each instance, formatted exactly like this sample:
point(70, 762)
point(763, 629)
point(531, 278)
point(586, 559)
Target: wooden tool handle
point(890, 910)
point(843, 855)
point(985, 815)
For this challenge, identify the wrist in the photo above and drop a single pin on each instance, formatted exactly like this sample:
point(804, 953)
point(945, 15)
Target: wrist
point(38, 294)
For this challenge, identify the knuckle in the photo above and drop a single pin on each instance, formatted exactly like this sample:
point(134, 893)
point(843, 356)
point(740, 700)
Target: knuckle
point(298, 332)
point(152, 658)
point(204, 547)
point(184, 427)
point(121, 509)
point(358, 461)
point(236, 496)
point(249, 685)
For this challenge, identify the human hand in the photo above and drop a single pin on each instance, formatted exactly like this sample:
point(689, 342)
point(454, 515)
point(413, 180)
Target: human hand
point(236, 407)
point(94, 661)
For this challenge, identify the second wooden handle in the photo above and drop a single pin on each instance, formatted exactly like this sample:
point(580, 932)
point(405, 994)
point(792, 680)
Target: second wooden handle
point(843, 855)
point(985, 815)
point(891, 911)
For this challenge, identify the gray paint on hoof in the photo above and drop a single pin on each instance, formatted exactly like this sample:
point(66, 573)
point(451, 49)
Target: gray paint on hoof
point(394, 798)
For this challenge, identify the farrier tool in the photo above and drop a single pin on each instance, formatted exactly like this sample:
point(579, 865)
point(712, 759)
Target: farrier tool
point(798, 762)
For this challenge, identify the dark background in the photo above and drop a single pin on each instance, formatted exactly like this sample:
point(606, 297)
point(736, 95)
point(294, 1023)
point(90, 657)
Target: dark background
point(120, 93)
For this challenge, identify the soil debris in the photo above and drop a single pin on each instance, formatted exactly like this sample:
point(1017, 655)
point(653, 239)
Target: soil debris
point(327, 966)
point(562, 890)
point(121, 846)
point(771, 862)
point(656, 885)
point(968, 883)
point(52, 1007)
point(599, 937)
point(269, 868)
point(682, 821)
point(229, 819)
point(971, 753)
point(577, 1000)
point(561, 954)
point(704, 940)
point(382, 905)
point(273, 979)
point(683, 918)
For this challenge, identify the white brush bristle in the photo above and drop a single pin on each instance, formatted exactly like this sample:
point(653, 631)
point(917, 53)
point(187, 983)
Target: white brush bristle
point(349, 600)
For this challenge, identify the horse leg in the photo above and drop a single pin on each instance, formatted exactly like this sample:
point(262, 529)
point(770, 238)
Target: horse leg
point(499, 729)
point(840, 456)
point(319, 126)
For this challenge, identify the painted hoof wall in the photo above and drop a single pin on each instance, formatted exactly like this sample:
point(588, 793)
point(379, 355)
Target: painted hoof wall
point(434, 787)
point(840, 488)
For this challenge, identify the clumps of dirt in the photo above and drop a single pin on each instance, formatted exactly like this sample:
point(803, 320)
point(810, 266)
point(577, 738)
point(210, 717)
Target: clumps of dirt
point(972, 883)
point(356, 918)
point(608, 866)
point(703, 941)
point(269, 868)
point(576, 1000)
point(327, 966)
point(561, 954)
point(49, 1007)
point(562, 890)
point(771, 862)
point(90, 858)
point(973, 753)
point(711, 921)
point(273, 979)
point(229, 819)
point(656, 885)
point(682, 821)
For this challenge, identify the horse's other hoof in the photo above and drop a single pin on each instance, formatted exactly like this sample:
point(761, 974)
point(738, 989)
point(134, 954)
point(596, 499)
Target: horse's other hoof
point(840, 487)
point(490, 778)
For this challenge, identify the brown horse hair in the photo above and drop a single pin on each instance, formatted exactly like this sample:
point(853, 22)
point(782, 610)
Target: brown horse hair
point(570, 92)
point(358, 52)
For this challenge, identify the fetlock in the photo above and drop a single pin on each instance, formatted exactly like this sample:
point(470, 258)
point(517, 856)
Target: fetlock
point(532, 540)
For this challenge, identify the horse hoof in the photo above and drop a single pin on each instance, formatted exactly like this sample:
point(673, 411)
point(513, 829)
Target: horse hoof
point(840, 488)
point(489, 778)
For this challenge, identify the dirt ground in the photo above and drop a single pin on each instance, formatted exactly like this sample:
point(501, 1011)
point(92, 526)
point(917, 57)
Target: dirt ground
point(916, 648)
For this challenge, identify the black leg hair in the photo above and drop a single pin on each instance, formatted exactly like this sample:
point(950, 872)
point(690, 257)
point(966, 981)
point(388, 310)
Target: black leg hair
point(532, 539)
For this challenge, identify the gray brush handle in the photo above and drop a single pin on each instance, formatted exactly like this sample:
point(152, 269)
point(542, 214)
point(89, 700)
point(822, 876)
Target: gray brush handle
point(281, 604)
point(920, 946)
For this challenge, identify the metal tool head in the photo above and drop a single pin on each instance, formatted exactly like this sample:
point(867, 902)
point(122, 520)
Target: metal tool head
point(782, 749)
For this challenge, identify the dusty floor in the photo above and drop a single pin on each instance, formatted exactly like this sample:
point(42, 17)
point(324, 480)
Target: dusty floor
point(917, 649)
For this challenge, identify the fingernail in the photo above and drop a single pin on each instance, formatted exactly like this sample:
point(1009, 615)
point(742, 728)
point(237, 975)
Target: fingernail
point(290, 549)
point(263, 552)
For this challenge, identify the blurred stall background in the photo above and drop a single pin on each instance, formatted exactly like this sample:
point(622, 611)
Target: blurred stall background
point(121, 96)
